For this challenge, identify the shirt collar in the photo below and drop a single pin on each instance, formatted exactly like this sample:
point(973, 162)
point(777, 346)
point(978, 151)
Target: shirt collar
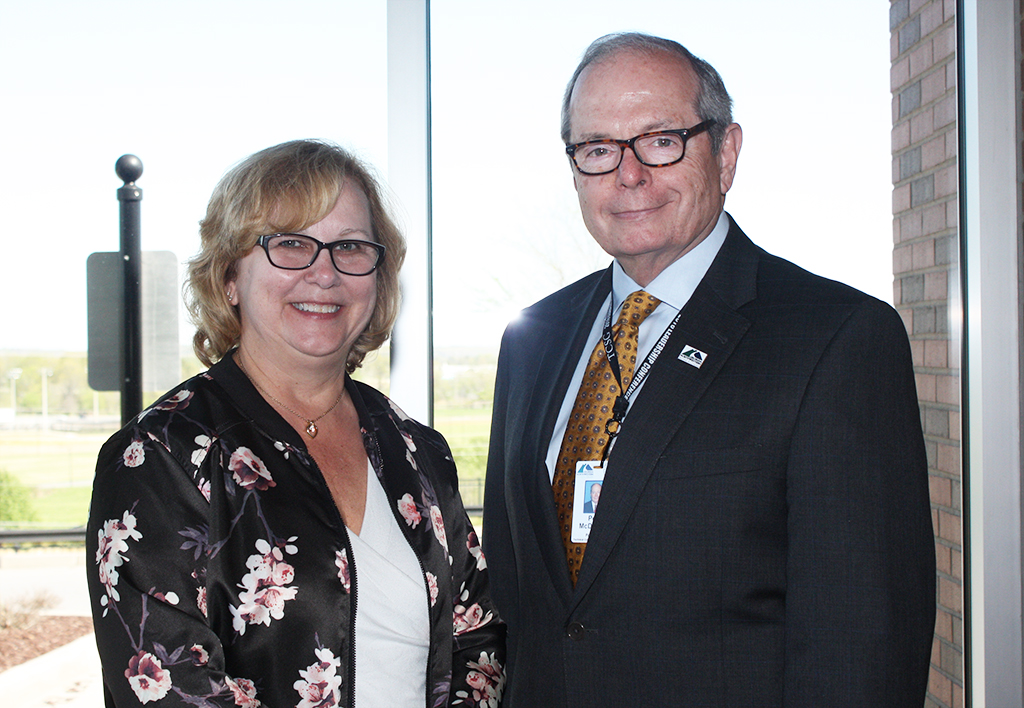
point(674, 285)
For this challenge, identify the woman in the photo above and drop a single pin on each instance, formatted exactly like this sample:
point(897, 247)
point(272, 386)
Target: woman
point(235, 523)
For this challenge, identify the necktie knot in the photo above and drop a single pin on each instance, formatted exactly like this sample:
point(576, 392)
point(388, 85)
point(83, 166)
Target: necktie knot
point(636, 308)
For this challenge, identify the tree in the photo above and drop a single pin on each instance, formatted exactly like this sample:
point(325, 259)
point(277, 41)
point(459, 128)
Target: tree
point(15, 499)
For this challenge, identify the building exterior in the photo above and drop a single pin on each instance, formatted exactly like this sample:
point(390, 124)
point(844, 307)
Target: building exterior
point(926, 280)
point(956, 148)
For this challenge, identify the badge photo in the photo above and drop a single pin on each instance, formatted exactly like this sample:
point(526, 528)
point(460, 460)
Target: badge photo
point(586, 497)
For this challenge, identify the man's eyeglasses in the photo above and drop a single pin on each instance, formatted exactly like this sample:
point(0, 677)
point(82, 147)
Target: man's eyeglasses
point(656, 149)
point(298, 251)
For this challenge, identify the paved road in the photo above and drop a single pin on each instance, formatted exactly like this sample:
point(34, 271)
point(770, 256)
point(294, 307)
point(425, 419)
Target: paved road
point(68, 677)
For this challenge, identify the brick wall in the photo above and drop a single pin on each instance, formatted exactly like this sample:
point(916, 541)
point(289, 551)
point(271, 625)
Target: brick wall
point(926, 282)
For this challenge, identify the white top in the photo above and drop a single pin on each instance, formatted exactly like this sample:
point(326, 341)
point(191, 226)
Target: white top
point(392, 630)
point(673, 287)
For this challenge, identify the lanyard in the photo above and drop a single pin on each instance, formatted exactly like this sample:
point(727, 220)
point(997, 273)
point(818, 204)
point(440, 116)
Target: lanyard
point(621, 405)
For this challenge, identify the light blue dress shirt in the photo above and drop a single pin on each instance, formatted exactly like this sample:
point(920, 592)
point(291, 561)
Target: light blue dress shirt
point(673, 286)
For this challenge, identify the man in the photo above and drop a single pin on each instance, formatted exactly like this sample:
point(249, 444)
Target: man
point(595, 496)
point(764, 536)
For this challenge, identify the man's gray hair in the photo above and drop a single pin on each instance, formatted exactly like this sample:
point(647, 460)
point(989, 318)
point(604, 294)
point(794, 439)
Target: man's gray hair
point(713, 101)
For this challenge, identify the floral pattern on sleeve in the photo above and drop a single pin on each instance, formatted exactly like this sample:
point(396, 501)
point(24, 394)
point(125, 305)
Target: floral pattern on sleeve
point(486, 681)
point(265, 588)
point(148, 672)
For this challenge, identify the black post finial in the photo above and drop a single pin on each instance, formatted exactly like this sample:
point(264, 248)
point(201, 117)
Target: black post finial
point(128, 168)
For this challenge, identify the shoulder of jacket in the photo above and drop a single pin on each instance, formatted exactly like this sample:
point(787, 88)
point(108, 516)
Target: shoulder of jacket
point(559, 298)
point(384, 411)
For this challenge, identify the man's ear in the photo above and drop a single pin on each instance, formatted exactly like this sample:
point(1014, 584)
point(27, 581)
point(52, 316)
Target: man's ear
point(729, 155)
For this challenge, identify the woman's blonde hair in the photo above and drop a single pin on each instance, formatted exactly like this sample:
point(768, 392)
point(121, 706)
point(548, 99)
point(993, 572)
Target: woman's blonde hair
point(285, 188)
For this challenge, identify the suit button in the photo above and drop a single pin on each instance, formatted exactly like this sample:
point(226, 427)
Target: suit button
point(575, 631)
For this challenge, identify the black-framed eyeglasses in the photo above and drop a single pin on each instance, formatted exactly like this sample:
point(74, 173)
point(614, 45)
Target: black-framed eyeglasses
point(298, 251)
point(659, 148)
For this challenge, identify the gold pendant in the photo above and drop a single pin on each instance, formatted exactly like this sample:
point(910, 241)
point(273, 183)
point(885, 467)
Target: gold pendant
point(311, 429)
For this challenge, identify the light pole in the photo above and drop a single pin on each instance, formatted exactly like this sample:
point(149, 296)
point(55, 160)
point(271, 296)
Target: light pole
point(46, 374)
point(14, 375)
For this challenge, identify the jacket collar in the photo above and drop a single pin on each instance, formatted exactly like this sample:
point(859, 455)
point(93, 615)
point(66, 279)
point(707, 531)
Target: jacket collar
point(711, 322)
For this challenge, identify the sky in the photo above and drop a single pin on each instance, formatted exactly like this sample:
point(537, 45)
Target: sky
point(192, 87)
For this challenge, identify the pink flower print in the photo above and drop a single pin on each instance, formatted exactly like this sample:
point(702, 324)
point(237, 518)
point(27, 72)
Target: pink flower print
point(268, 567)
point(204, 489)
point(201, 600)
point(320, 686)
point(282, 573)
point(200, 657)
point(264, 588)
point(486, 678)
point(398, 411)
point(108, 559)
point(158, 441)
point(281, 447)
point(289, 547)
point(437, 521)
point(171, 598)
point(473, 544)
point(409, 442)
point(469, 618)
point(313, 694)
point(248, 613)
point(341, 560)
point(407, 507)
point(199, 454)
point(273, 598)
point(411, 460)
point(432, 586)
point(113, 542)
point(249, 470)
point(244, 692)
point(134, 455)
point(176, 402)
point(147, 677)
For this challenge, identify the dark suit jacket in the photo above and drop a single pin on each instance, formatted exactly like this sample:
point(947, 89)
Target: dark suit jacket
point(765, 531)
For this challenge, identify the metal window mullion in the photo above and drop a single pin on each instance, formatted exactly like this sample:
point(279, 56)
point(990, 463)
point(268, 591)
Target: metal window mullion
point(409, 167)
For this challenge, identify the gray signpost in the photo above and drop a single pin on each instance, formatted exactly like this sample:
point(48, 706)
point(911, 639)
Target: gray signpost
point(132, 308)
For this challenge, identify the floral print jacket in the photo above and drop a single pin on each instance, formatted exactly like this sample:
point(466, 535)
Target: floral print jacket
point(219, 565)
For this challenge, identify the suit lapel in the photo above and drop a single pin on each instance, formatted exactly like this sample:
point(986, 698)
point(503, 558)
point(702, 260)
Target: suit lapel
point(710, 324)
point(555, 363)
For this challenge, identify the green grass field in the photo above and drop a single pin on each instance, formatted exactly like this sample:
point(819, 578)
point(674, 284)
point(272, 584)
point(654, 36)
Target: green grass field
point(58, 466)
point(50, 458)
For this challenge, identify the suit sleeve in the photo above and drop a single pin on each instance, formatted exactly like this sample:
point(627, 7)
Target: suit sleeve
point(497, 534)
point(860, 601)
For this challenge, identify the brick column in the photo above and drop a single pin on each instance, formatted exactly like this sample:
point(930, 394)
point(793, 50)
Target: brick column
point(926, 285)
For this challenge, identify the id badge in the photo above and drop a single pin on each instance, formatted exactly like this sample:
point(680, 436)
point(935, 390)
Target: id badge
point(586, 497)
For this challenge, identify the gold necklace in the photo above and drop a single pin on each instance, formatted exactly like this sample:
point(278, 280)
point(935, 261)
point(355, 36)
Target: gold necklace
point(311, 429)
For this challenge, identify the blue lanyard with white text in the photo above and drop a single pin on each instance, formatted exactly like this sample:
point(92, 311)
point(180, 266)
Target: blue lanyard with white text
point(621, 405)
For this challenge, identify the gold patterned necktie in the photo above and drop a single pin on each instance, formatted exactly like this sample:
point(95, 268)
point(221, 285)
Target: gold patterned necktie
point(585, 437)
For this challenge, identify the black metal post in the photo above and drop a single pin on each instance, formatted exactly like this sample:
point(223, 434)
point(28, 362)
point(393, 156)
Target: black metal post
point(129, 169)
